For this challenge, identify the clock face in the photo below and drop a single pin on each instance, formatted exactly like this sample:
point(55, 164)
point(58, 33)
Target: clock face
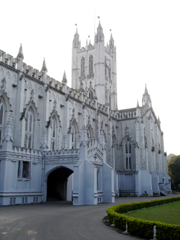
point(108, 63)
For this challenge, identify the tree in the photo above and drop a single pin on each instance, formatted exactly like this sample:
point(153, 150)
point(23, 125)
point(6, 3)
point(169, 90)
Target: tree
point(170, 156)
point(174, 172)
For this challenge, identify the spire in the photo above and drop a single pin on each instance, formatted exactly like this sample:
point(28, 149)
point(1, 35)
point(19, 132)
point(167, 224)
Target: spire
point(111, 42)
point(137, 104)
point(64, 80)
point(44, 68)
point(76, 42)
point(100, 35)
point(146, 91)
point(146, 100)
point(81, 88)
point(20, 53)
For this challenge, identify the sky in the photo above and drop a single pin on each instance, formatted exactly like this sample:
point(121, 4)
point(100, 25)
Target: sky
point(146, 35)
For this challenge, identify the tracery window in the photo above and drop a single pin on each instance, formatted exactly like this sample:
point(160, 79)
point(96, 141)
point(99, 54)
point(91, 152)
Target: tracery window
point(82, 66)
point(91, 65)
point(1, 120)
point(53, 133)
point(29, 120)
point(128, 155)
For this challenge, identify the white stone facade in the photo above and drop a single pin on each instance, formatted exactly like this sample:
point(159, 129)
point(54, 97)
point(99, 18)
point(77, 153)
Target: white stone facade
point(73, 143)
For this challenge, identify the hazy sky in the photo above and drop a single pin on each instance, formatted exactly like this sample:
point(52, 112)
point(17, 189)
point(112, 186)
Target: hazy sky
point(147, 38)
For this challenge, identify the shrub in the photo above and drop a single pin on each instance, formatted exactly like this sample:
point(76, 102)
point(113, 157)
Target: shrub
point(143, 228)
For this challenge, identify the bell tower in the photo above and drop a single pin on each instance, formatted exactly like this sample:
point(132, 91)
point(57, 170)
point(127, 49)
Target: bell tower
point(94, 68)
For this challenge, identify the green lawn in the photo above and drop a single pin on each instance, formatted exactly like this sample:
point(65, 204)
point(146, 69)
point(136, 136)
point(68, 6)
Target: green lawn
point(168, 213)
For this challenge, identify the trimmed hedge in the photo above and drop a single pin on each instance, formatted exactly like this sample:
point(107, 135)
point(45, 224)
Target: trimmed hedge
point(143, 228)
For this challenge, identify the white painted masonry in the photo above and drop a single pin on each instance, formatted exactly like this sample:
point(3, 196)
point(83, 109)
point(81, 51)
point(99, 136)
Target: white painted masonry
point(73, 143)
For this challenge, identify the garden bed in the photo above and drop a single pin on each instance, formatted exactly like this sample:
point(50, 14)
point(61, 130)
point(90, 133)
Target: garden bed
point(140, 227)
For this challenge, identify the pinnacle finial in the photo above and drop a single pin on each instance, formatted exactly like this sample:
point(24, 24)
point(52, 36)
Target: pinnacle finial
point(76, 42)
point(44, 68)
point(146, 91)
point(137, 104)
point(100, 35)
point(64, 80)
point(20, 53)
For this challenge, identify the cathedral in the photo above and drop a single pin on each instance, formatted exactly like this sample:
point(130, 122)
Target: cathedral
point(74, 144)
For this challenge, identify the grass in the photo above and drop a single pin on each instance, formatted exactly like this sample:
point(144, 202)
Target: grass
point(168, 213)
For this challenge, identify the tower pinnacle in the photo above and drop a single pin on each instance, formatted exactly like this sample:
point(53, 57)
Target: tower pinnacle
point(44, 68)
point(64, 80)
point(20, 53)
point(76, 42)
point(146, 100)
point(100, 35)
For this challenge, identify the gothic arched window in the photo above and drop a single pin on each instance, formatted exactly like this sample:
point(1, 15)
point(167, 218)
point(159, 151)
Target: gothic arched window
point(53, 133)
point(1, 120)
point(29, 129)
point(128, 155)
point(82, 66)
point(91, 65)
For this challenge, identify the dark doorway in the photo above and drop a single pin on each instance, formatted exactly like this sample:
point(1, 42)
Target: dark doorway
point(57, 184)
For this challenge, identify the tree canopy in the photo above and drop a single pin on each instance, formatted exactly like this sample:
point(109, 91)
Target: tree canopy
point(174, 172)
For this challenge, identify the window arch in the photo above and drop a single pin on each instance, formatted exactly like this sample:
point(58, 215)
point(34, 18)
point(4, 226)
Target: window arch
point(29, 122)
point(90, 65)
point(128, 154)
point(82, 66)
point(1, 119)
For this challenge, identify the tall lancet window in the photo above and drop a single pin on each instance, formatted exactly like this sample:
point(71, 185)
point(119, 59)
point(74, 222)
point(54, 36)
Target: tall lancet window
point(128, 155)
point(29, 120)
point(109, 72)
point(73, 138)
point(82, 66)
point(53, 133)
point(91, 65)
point(1, 120)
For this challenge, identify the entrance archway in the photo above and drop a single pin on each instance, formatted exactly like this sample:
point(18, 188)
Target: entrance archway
point(57, 184)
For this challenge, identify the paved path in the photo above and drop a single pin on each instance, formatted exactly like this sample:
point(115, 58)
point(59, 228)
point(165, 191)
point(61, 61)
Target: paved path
point(58, 220)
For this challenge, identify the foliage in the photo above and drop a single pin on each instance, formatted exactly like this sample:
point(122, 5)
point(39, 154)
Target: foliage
point(143, 228)
point(170, 156)
point(173, 171)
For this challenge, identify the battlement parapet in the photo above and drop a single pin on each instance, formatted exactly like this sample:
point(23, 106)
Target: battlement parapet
point(8, 59)
point(88, 47)
point(63, 152)
point(102, 108)
point(127, 114)
point(26, 151)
